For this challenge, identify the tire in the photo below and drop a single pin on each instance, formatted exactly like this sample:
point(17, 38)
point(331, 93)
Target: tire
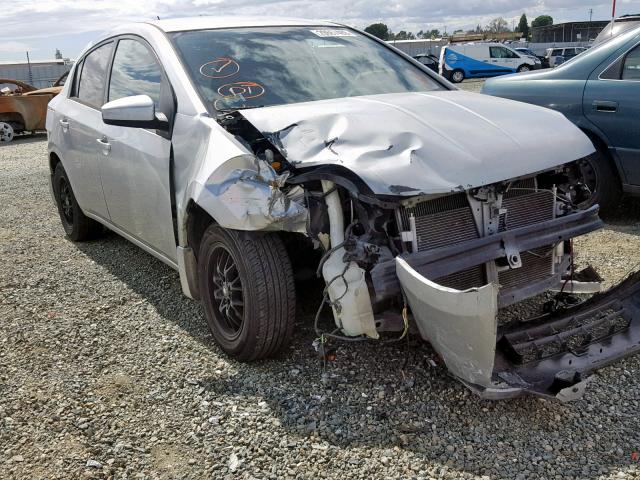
point(247, 291)
point(457, 76)
point(597, 172)
point(524, 68)
point(76, 224)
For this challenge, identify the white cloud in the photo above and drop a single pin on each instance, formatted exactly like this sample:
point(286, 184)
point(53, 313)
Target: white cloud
point(36, 21)
point(14, 47)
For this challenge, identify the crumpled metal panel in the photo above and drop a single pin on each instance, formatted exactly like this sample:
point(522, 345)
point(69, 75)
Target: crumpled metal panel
point(245, 194)
point(421, 143)
point(32, 109)
point(461, 325)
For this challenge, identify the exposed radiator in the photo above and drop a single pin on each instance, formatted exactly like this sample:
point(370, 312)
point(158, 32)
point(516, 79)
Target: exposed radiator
point(449, 220)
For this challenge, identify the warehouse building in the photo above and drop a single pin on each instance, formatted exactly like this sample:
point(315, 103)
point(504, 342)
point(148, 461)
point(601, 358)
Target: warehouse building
point(40, 74)
point(568, 32)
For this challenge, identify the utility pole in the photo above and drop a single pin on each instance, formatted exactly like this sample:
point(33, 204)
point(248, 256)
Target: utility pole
point(29, 66)
point(589, 26)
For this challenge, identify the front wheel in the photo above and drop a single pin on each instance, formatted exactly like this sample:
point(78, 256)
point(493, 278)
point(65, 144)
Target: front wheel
point(247, 290)
point(524, 68)
point(457, 76)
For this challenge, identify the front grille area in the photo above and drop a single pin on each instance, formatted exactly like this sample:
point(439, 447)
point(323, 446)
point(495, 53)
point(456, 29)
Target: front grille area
point(527, 208)
point(442, 221)
point(449, 220)
point(536, 265)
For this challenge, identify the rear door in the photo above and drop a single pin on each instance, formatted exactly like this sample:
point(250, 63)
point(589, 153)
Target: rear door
point(136, 166)
point(612, 103)
point(78, 124)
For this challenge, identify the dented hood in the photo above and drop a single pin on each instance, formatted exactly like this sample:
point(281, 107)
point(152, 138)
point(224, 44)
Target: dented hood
point(423, 143)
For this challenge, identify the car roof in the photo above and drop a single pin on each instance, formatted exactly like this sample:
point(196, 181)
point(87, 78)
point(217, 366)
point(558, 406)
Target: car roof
point(206, 23)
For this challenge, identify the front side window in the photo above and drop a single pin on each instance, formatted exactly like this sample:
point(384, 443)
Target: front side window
point(570, 52)
point(502, 52)
point(556, 53)
point(631, 67)
point(92, 77)
point(135, 71)
point(252, 67)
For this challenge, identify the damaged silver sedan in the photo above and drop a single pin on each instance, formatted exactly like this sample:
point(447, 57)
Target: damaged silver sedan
point(231, 147)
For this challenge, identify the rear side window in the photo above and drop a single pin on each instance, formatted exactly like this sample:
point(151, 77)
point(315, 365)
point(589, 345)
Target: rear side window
point(135, 71)
point(92, 78)
point(631, 67)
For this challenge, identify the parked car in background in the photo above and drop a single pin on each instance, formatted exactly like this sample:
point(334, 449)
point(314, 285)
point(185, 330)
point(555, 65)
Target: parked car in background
point(600, 92)
point(429, 61)
point(212, 144)
point(23, 108)
point(566, 53)
point(477, 60)
point(544, 63)
point(618, 26)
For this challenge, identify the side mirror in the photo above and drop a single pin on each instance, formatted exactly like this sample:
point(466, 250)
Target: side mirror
point(137, 111)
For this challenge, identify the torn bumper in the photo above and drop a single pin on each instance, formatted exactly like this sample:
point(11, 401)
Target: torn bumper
point(549, 356)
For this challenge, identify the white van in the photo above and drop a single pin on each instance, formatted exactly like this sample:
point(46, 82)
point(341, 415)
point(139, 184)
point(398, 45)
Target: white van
point(458, 62)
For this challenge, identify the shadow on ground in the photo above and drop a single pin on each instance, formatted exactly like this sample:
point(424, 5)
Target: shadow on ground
point(388, 396)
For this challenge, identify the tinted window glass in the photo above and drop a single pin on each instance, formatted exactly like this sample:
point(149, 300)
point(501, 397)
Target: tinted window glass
point(631, 68)
point(92, 77)
point(251, 67)
point(570, 52)
point(501, 52)
point(135, 71)
point(556, 52)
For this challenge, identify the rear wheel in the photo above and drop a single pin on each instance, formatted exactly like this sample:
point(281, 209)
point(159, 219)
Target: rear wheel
point(524, 68)
point(76, 224)
point(247, 290)
point(595, 182)
point(457, 76)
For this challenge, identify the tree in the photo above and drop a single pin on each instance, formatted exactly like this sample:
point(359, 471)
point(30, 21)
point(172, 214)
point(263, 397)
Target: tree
point(402, 35)
point(542, 21)
point(497, 25)
point(523, 26)
point(379, 30)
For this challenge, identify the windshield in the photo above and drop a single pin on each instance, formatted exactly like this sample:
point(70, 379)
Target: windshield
point(254, 67)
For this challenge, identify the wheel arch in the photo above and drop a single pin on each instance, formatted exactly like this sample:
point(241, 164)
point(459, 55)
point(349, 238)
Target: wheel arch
point(603, 147)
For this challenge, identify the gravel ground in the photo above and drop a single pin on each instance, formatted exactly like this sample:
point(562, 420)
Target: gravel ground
point(472, 85)
point(107, 371)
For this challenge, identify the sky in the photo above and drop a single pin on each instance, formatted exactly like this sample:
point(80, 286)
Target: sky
point(41, 26)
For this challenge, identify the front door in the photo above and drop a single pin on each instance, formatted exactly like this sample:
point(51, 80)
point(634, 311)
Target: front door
point(135, 165)
point(612, 103)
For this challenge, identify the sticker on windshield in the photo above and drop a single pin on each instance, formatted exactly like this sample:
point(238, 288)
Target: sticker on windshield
point(221, 67)
point(333, 32)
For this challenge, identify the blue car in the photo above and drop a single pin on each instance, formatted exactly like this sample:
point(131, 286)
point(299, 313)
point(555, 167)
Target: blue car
point(599, 91)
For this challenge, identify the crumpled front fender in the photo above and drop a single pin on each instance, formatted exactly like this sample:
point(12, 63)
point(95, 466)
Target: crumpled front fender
point(245, 193)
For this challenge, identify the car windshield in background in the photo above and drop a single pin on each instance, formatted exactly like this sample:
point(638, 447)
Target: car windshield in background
point(254, 67)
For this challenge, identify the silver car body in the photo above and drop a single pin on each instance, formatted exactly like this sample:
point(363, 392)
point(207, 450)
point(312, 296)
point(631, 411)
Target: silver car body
point(431, 145)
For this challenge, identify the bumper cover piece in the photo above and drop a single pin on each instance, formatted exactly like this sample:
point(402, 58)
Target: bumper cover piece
point(550, 356)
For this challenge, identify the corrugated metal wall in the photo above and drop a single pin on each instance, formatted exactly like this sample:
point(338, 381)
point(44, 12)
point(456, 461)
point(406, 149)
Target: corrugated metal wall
point(43, 74)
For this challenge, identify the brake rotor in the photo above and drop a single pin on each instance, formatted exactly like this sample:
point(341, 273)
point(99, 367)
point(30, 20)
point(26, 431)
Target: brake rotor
point(6, 132)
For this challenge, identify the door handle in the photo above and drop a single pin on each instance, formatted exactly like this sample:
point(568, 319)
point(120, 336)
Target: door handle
point(106, 146)
point(605, 106)
point(65, 125)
